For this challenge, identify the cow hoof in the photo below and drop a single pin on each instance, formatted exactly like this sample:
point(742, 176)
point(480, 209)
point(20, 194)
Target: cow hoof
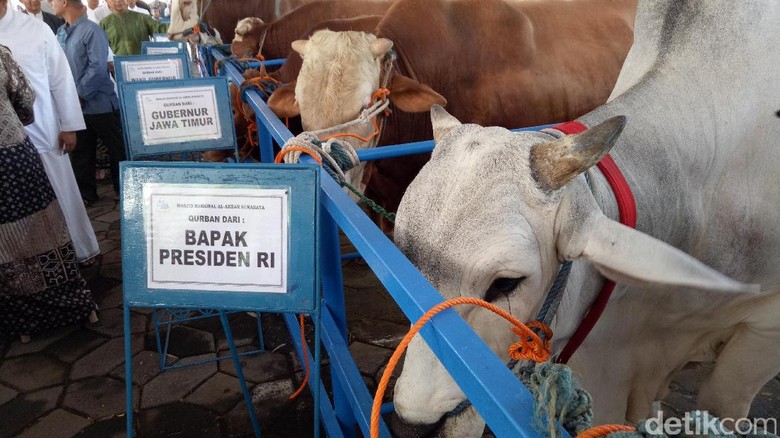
point(93, 317)
point(25, 339)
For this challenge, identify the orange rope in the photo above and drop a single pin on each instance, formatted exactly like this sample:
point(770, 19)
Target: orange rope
point(379, 94)
point(283, 152)
point(531, 347)
point(604, 430)
point(349, 134)
point(305, 360)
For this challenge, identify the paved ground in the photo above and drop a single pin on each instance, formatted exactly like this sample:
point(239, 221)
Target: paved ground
point(71, 382)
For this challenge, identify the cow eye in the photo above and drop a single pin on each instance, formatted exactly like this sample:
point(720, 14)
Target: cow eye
point(502, 287)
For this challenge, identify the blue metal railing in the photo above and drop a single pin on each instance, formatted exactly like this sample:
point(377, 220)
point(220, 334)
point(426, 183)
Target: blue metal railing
point(498, 396)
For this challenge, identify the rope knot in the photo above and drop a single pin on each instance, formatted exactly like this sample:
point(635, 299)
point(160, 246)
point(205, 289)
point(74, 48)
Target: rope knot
point(381, 94)
point(531, 346)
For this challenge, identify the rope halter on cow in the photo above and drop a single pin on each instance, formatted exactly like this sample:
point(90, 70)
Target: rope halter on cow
point(339, 155)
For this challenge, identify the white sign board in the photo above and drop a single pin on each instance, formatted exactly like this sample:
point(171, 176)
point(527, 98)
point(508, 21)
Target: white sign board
point(178, 115)
point(216, 238)
point(167, 50)
point(156, 70)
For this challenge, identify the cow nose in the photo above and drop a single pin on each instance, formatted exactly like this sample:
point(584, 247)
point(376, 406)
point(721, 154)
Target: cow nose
point(402, 429)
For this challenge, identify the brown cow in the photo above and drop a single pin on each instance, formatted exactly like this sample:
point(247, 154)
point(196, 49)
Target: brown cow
point(495, 63)
point(288, 72)
point(277, 35)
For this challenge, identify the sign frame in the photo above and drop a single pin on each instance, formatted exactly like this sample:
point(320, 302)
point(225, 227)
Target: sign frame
point(303, 191)
point(131, 118)
point(159, 38)
point(150, 46)
point(120, 60)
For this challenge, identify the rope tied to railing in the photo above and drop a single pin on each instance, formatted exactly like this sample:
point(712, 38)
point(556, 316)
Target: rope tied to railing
point(336, 155)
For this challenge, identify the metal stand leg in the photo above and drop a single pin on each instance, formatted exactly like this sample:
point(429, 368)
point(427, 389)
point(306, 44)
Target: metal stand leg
point(128, 371)
point(239, 372)
point(333, 297)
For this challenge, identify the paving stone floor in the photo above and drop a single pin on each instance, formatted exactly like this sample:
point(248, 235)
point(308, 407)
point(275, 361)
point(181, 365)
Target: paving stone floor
point(70, 382)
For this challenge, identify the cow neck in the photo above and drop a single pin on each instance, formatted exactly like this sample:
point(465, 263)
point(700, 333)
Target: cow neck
point(627, 211)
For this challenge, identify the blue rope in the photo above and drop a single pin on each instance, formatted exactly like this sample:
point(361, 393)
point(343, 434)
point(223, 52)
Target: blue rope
point(555, 295)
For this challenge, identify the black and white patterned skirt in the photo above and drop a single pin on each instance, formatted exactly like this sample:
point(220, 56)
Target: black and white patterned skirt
point(41, 287)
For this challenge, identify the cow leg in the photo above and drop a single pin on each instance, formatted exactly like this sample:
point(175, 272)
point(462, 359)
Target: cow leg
point(749, 360)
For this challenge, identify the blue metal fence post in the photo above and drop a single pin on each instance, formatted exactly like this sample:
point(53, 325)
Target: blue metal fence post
point(128, 370)
point(265, 140)
point(315, 374)
point(239, 372)
point(333, 297)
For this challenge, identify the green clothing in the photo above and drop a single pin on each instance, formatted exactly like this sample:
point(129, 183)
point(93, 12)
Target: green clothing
point(126, 31)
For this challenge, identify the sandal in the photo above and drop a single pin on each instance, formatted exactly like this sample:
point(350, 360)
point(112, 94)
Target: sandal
point(88, 263)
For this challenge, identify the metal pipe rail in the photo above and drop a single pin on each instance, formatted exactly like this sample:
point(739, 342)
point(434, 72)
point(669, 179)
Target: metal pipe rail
point(499, 397)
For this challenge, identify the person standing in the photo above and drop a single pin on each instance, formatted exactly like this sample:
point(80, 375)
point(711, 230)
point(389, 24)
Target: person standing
point(161, 7)
point(135, 7)
point(126, 29)
point(33, 8)
point(96, 12)
point(57, 116)
point(41, 287)
point(86, 47)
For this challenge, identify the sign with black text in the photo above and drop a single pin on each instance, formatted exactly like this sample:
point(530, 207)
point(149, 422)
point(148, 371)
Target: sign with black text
point(163, 47)
point(168, 69)
point(220, 235)
point(178, 115)
point(216, 238)
point(181, 116)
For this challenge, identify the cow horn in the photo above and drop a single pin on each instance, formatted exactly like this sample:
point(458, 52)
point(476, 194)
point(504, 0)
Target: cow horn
point(556, 163)
point(442, 122)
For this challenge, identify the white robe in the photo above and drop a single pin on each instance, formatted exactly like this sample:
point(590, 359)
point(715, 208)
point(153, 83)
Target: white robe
point(37, 51)
point(99, 13)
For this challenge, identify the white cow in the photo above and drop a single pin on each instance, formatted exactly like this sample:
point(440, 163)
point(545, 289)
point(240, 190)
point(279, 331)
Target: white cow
point(496, 212)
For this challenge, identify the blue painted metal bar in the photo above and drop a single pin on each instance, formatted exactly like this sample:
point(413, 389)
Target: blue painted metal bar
point(240, 373)
point(420, 147)
point(265, 141)
point(343, 367)
point(316, 377)
point(128, 371)
point(333, 297)
point(267, 63)
point(350, 256)
point(329, 420)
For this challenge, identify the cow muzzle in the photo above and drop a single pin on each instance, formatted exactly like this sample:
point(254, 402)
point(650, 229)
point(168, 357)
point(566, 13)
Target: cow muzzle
point(402, 429)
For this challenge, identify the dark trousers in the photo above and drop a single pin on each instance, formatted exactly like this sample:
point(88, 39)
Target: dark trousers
point(107, 127)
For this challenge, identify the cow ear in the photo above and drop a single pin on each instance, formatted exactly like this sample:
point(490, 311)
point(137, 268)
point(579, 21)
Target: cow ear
point(442, 122)
point(380, 46)
point(282, 101)
point(628, 256)
point(413, 97)
point(300, 46)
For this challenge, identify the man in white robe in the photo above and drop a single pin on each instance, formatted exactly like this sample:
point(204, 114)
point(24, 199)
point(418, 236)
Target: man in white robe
point(57, 116)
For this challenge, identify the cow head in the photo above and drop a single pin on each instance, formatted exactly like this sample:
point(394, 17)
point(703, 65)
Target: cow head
point(247, 37)
point(340, 73)
point(184, 15)
point(492, 215)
